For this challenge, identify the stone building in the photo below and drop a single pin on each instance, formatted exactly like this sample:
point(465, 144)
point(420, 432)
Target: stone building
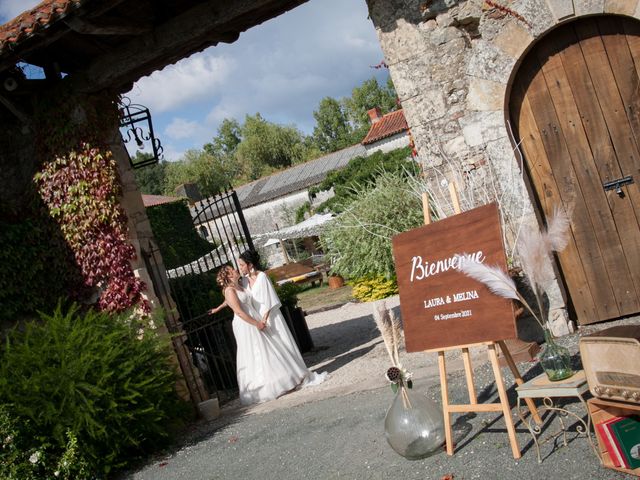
point(532, 103)
point(388, 132)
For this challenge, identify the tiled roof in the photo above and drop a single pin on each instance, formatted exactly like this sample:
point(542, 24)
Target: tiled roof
point(153, 200)
point(390, 124)
point(33, 20)
point(294, 179)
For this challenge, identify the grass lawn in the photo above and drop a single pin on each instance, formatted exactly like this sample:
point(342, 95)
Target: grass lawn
point(317, 297)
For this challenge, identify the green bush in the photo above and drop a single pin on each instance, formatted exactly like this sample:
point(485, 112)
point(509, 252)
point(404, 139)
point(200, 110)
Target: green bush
point(173, 229)
point(358, 241)
point(91, 389)
point(194, 294)
point(288, 294)
point(361, 172)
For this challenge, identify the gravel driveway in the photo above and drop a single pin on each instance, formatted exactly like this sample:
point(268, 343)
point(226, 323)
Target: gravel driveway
point(335, 430)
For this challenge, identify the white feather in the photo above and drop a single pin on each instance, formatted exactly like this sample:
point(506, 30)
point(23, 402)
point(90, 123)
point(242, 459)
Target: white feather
point(492, 276)
point(558, 230)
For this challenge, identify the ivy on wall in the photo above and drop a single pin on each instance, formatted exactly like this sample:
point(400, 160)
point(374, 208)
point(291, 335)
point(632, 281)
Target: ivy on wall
point(81, 190)
point(173, 229)
point(36, 267)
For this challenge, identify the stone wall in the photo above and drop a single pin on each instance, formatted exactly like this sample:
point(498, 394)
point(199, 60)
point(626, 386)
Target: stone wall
point(452, 62)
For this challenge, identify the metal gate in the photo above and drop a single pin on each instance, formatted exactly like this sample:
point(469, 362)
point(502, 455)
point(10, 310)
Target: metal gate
point(208, 338)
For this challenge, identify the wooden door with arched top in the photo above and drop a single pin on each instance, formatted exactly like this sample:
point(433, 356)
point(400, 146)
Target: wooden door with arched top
point(575, 108)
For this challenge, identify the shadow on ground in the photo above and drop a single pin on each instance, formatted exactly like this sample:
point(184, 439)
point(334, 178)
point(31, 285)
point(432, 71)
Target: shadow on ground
point(337, 339)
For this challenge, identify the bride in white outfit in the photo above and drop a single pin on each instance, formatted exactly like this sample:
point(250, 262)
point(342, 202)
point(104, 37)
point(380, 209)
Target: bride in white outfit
point(265, 363)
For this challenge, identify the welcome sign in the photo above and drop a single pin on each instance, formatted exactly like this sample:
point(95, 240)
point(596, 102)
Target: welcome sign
point(442, 307)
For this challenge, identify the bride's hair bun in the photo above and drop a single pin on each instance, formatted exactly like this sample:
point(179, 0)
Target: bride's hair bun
point(251, 257)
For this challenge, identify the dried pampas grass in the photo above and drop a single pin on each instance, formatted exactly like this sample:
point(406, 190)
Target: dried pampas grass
point(535, 248)
point(390, 330)
point(495, 279)
point(498, 281)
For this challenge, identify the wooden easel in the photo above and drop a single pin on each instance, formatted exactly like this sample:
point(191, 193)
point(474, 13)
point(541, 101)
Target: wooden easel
point(474, 406)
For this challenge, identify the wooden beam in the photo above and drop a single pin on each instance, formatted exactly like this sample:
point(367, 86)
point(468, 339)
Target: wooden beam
point(108, 26)
point(200, 27)
point(17, 112)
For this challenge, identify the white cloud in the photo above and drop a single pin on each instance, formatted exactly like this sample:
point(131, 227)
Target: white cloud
point(229, 108)
point(188, 81)
point(281, 68)
point(181, 129)
point(172, 153)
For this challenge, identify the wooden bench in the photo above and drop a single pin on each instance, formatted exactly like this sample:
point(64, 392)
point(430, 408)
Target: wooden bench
point(296, 272)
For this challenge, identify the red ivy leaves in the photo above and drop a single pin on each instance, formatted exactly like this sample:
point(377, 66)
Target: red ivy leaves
point(81, 191)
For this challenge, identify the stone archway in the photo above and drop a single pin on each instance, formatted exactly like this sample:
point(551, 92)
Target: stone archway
point(575, 106)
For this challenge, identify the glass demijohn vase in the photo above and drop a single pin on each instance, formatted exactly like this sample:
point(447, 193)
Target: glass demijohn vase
point(555, 359)
point(414, 425)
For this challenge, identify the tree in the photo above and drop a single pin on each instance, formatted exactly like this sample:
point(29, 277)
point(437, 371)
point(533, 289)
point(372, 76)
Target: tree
point(333, 130)
point(211, 173)
point(150, 179)
point(267, 146)
point(227, 140)
point(365, 97)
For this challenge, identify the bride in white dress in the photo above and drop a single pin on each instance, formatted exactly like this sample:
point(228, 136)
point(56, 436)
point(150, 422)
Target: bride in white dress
point(265, 366)
point(265, 294)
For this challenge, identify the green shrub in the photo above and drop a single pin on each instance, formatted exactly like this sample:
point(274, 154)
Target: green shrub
point(358, 241)
point(376, 288)
point(302, 211)
point(361, 172)
point(92, 388)
point(194, 294)
point(288, 294)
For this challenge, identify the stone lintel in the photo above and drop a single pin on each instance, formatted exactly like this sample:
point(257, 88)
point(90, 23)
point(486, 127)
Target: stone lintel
point(621, 7)
point(587, 7)
point(513, 39)
point(561, 9)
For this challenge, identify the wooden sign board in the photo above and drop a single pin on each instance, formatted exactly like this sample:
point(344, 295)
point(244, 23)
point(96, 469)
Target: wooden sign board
point(442, 307)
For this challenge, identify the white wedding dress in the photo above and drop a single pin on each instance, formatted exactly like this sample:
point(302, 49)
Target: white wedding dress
point(267, 366)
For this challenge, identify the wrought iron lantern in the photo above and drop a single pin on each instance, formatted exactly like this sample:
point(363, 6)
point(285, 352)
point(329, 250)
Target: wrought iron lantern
point(136, 126)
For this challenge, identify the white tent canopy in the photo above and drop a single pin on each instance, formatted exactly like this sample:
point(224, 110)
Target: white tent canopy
point(312, 226)
point(218, 256)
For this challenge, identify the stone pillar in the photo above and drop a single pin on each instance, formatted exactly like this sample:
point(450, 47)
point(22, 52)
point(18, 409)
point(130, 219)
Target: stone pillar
point(189, 385)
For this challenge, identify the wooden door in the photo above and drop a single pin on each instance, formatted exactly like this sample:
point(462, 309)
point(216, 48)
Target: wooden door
point(575, 106)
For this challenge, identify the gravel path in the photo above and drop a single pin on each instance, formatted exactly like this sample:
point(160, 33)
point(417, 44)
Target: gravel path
point(335, 430)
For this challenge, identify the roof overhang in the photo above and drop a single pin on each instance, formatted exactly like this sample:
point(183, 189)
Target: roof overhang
point(109, 44)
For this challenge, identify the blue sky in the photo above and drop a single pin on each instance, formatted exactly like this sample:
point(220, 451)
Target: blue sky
point(282, 69)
